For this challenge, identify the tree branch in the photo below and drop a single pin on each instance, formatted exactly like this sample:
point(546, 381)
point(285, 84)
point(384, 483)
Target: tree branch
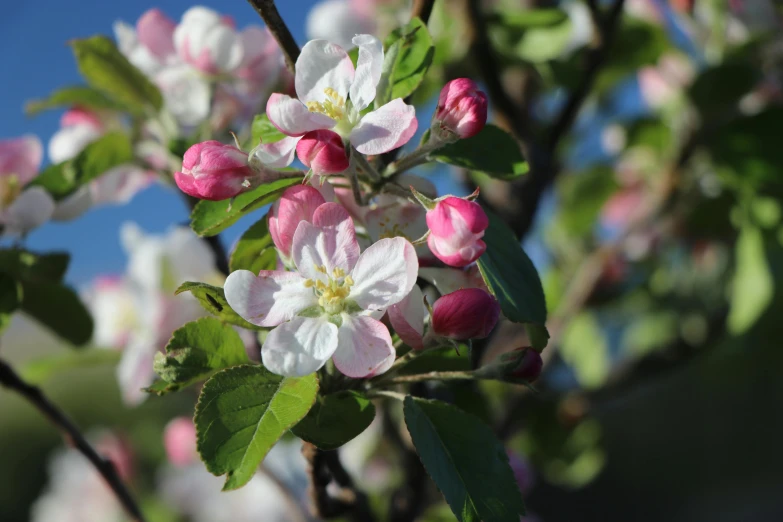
point(9, 379)
point(268, 11)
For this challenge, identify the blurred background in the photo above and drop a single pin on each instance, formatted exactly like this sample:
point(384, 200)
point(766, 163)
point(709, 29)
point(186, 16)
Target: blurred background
point(652, 212)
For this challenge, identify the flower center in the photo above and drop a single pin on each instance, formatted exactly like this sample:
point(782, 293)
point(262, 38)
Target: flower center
point(333, 106)
point(331, 295)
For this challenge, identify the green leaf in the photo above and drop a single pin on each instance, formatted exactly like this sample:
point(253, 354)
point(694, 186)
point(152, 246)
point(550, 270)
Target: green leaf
point(263, 131)
point(491, 151)
point(107, 70)
point(41, 370)
point(29, 266)
point(242, 412)
point(720, 88)
point(753, 286)
point(213, 299)
point(212, 217)
point(108, 151)
point(67, 97)
point(255, 250)
point(510, 275)
point(335, 419)
point(58, 308)
point(442, 359)
point(534, 35)
point(409, 53)
point(197, 350)
point(585, 349)
point(466, 461)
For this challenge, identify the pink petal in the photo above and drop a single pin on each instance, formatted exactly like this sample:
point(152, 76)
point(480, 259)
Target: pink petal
point(297, 204)
point(299, 347)
point(365, 347)
point(329, 242)
point(292, 117)
point(278, 154)
point(384, 274)
point(268, 299)
point(407, 318)
point(22, 157)
point(386, 128)
point(155, 31)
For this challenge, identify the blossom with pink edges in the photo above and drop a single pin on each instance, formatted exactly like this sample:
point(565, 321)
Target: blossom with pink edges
point(468, 313)
point(407, 318)
point(22, 209)
point(296, 204)
point(207, 41)
point(329, 307)
point(462, 109)
point(20, 157)
point(331, 95)
point(456, 228)
point(150, 44)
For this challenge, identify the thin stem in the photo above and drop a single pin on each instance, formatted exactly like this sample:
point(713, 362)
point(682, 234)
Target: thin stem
point(9, 379)
point(268, 11)
point(386, 393)
point(364, 165)
point(431, 376)
point(414, 159)
point(354, 179)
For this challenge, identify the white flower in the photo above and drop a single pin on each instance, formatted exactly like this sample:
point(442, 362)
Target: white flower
point(330, 308)
point(207, 41)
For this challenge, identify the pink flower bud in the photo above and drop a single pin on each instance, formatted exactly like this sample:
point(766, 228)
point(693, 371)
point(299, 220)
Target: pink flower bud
point(469, 313)
point(462, 108)
point(213, 171)
point(179, 439)
point(298, 203)
point(456, 228)
point(523, 363)
point(323, 151)
point(155, 31)
point(21, 157)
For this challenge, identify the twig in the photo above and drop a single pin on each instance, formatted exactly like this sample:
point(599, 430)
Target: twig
point(430, 376)
point(422, 9)
point(268, 11)
point(12, 381)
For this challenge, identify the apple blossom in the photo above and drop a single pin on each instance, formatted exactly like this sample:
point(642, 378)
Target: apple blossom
point(456, 228)
point(179, 439)
point(150, 45)
point(469, 313)
point(261, 58)
point(78, 128)
point(327, 308)
point(461, 111)
point(296, 204)
point(22, 209)
point(332, 94)
point(207, 41)
point(323, 152)
point(20, 158)
point(186, 94)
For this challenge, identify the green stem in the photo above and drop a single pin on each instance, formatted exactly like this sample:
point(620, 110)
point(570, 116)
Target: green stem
point(422, 377)
point(386, 393)
point(364, 165)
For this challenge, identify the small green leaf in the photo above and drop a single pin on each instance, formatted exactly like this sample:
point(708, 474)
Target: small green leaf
point(255, 250)
point(263, 131)
point(108, 151)
point(242, 412)
point(58, 308)
point(212, 217)
point(213, 299)
point(197, 350)
point(409, 54)
point(335, 419)
point(491, 151)
point(26, 265)
point(466, 461)
point(41, 370)
point(753, 286)
point(107, 70)
point(511, 276)
point(67, 97)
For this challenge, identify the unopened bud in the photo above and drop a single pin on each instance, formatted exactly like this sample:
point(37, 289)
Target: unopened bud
point(322, 151)
point(468, 313)
point(462, 109)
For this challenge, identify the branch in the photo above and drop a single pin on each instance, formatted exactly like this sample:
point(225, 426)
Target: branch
point(268, 11)
point(9, 379)
point(323, 468)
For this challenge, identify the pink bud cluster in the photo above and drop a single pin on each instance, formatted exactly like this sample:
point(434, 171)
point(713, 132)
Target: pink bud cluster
point(462, 109)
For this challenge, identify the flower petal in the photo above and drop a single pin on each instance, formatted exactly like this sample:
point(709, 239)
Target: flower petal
point(407, 318)
point(384, 274)
point(299, 347)
point(322, 65)
point(134, 370)
point(329, 242)
point(368, 70)
point(365, 347)
point(292, 117)
point(30, 210)
point(269, 299)
point(385, 129)
point(278, 154)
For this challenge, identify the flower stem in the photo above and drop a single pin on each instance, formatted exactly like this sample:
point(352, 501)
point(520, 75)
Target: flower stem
point(364, 165)
point(431, 376)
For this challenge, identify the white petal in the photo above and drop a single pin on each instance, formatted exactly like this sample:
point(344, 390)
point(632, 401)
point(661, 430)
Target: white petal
point(73, 206)
point(322, 65)
point(30, 210)
point(186, 95)
point(70, 141)
point(119, 184)
point(293, 118)
point(365, 347)
point(268, 299)
point(386, 128)
point(407, 318)
point(384, 274)
point(329, 242)
point(339, 20)
point(299, 347)
point(368, 70)
point(278, 154)
point(134, 370)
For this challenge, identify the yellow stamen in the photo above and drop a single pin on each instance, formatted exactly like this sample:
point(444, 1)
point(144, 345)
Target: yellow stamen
point(333, 106)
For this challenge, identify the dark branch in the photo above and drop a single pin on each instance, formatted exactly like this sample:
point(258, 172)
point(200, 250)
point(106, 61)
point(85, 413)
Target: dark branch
point(422, 9)
point(9, 379)
point(268, 11)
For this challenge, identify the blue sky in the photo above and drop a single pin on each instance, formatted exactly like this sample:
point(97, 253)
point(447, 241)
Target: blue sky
point(36, 60)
